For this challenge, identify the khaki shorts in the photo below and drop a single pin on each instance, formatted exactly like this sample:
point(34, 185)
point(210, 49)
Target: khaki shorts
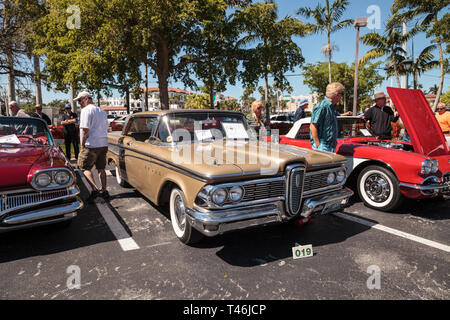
point(90, 156)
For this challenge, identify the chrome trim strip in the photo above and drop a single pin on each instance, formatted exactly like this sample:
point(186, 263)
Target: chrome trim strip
point(44, 213)
point(73, 191)
point(420, 187)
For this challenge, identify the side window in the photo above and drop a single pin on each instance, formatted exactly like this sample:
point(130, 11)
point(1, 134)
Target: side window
point(141, 128)
point(303, 132)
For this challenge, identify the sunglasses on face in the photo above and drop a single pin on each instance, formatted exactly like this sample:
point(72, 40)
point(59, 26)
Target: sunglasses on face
point(440, 108)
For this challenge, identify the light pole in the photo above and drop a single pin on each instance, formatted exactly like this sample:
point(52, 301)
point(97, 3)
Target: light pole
point(359, 22)
point(407, 63)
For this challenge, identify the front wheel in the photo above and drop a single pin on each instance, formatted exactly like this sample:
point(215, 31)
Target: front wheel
point(379, 189)
point(180, 224)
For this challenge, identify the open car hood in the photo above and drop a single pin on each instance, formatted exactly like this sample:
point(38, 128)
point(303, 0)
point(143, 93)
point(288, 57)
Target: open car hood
point(420, 122)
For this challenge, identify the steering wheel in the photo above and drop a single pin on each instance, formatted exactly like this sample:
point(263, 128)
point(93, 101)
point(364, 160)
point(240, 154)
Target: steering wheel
point(27, 137)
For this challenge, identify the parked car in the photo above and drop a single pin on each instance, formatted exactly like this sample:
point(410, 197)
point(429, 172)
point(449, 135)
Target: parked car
point(37, 184)
point(283, 122)
point(384, 172)
point(118, 123)
point(176, 158)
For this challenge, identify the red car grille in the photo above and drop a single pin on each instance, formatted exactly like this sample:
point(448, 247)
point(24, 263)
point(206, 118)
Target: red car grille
point(9, 202)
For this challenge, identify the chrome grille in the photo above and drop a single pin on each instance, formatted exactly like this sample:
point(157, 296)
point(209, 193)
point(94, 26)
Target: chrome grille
point(262, 191)
point(295, 180)
point(9, 202)
point(314, 181)
point(446, 179)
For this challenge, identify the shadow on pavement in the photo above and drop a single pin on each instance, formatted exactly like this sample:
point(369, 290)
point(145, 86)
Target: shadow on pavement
point(262, 245)
point(87, 229)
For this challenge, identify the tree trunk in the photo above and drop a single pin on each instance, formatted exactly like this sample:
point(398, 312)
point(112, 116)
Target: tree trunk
point(329, 59)
point(37, 79)
point(162, 72)
point(11, 79)
point(441, 81)
point(146, 88)
point(266, 98)
point(127, 100)
point(72, 96)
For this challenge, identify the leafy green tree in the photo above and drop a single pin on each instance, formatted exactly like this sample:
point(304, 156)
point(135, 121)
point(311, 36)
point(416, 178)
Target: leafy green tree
point(197, 101)
point(428, 13)
point(316, 75)
point(445, 98)
point(269, 44)
point(327, 20)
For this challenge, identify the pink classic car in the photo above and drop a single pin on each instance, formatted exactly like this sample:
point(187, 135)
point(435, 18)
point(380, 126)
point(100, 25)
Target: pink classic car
point(37, 185)
point(384, 172)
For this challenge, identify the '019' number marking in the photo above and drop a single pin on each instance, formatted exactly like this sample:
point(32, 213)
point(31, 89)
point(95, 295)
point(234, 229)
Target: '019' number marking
point(302, 251)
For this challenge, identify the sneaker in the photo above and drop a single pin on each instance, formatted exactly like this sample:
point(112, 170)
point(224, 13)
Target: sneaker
point(104, 194)
point(94, 194)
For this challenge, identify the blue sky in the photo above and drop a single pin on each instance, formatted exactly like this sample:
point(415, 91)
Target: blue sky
point(311, 45)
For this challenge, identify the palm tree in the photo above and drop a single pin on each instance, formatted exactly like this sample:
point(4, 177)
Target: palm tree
point(428, 11)
point(424, 62)
point(327, 20)
point(389, 44)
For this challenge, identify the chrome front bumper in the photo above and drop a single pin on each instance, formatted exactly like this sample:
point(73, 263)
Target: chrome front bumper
point(214, 222)
point(431, 185)
point(42, 213)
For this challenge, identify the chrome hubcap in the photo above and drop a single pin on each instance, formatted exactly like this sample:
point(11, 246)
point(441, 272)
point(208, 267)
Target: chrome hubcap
point(377, 188)
point(180, 212)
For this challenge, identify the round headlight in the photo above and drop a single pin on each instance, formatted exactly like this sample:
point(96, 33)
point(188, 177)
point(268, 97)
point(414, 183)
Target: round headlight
point(340, 176)
point(331, 177)
point(236, 193)
point(219, 196)
point(43, 179)
point(435, 166)
point(427, 165)
point(62, 177)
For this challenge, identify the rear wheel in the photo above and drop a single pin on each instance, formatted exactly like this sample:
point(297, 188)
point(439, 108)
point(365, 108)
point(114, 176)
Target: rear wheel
point(379, 189)
point(180, 224)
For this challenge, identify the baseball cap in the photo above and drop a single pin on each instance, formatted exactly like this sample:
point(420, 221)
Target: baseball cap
point(303, 101)
point(81, 95)
point(68, 106)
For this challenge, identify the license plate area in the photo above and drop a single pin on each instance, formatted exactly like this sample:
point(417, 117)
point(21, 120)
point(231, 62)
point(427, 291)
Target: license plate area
point(331, 206)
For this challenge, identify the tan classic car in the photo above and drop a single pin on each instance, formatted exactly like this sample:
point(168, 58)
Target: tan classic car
point(216, 177)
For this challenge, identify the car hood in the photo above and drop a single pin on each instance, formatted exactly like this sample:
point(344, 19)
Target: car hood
point(15, 163)
point(420, 122)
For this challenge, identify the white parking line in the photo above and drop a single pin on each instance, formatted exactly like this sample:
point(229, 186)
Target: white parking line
point(125, 241)
point(399, 233)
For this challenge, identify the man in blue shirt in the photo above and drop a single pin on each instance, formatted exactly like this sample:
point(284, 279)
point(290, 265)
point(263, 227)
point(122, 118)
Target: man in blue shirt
point(324, 127)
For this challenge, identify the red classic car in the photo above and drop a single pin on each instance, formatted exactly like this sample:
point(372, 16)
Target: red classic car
point(37, 185)
point(384, 172)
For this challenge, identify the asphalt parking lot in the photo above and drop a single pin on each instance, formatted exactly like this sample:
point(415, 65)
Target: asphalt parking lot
point(125, 249)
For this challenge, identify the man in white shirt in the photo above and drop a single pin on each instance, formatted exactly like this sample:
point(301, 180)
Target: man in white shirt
point(94, 143)
point(16, 111)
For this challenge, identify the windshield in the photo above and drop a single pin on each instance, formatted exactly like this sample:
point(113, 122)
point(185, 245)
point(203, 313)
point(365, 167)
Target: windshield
point(197, 127)
point(351, 127)
point(24, 131)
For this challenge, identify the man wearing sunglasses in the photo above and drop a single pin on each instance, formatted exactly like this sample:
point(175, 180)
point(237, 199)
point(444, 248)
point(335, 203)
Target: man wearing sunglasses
point(443, 117)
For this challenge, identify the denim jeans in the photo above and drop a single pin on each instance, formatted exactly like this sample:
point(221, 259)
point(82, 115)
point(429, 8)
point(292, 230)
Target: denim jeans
point(323, 147)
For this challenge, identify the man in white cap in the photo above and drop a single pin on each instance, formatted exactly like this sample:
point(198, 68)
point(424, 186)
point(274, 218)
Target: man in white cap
point(380, 117)
point(94, 143)
point(300, 113)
